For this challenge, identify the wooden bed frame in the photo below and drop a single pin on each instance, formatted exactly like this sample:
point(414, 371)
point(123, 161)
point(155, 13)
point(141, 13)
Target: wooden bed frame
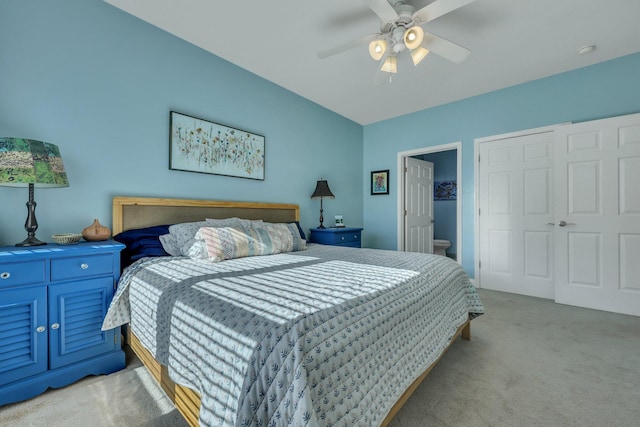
point(138, 212)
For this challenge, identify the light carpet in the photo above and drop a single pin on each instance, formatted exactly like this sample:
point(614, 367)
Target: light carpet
point(530, 362)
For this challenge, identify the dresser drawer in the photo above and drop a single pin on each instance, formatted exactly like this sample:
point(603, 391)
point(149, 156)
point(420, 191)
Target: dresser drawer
point(22, 273)
point(81, 266)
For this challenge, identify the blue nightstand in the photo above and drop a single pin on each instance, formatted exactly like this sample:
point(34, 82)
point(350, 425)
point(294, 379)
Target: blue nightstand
point(53, 299)
point(346, 236)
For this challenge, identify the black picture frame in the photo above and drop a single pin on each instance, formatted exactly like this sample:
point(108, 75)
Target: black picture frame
point(379, 182)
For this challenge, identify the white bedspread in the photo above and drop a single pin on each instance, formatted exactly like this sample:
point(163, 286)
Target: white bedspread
point(325, 337)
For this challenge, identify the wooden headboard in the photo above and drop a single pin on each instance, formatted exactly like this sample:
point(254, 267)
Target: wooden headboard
point(139, 212)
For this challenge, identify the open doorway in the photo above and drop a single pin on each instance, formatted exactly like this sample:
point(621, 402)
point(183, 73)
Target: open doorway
point(447, 172)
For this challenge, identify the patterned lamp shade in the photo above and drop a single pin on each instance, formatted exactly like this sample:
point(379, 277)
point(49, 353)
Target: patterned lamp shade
point(27, 161)
point(30, 163)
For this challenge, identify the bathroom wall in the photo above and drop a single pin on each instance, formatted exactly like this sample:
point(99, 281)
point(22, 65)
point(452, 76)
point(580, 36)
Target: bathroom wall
point(444, 211)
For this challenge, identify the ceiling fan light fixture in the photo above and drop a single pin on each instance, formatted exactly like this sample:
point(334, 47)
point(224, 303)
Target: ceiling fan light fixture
point(413, 37)
point(377, 48)
point(390, 65)
point(418, 54)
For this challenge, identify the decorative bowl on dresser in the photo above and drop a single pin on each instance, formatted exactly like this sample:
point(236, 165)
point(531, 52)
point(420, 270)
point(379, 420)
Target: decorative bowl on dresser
point(343, 236)
point(53, 300)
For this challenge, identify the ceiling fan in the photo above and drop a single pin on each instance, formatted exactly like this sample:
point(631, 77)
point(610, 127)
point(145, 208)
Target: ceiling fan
point(401, 29)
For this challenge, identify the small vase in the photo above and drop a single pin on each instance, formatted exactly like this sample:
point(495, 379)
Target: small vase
point(96, 232)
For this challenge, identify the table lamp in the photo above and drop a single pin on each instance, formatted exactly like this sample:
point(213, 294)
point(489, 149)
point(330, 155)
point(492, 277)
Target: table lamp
point(322, 191)
point(31, 163)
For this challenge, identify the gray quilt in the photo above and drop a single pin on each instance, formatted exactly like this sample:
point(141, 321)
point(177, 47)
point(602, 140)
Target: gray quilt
point(329, 336)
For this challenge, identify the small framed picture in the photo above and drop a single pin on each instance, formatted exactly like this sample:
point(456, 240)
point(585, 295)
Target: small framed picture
point(445, 190)
point(380, 182)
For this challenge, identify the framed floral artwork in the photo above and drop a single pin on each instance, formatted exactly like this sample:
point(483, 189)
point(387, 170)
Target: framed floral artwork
point(198, 145)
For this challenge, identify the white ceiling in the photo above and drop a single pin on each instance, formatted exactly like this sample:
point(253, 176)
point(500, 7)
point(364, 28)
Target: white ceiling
point(512, 41)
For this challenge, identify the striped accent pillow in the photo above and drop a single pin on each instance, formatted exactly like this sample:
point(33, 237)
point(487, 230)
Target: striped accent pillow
point(227, 243)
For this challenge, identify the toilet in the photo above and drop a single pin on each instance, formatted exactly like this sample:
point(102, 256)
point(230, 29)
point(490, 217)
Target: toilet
point(440, 246)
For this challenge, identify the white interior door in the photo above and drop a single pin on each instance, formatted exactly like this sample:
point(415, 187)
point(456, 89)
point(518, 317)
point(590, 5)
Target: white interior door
point(418, 203)
point(516, 214)
point(597, 203)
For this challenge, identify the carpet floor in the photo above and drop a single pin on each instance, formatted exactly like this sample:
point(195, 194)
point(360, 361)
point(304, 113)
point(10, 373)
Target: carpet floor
point(530, 362)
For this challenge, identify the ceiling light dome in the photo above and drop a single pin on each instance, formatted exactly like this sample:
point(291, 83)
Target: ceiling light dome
point(377, 48)
point(418, 54)
point(413, 37)
point(390, 65)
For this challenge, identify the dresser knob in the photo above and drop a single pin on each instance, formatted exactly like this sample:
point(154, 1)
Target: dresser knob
point(84, 266)
point(342, 237)
point(55, 326)
point(5, 275)
point(40, 329)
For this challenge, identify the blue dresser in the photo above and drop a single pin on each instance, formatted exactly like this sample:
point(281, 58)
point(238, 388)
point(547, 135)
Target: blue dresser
point(345, 236)
point(53, 299)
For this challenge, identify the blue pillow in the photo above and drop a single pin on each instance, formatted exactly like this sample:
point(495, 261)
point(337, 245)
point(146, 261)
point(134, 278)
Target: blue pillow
point(141, 242)
point(300, 230)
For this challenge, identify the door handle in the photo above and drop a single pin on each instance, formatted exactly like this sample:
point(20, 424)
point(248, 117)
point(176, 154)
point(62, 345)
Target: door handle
point(564, 223)
point(551, 223)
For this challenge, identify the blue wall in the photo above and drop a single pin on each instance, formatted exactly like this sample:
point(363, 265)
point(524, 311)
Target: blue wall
point(604, 90)
point(100, 83)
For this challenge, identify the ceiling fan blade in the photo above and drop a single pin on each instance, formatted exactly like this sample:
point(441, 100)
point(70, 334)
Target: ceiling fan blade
point(348, 46)
point(443, 47)
point(436, 9)
point(383, 9)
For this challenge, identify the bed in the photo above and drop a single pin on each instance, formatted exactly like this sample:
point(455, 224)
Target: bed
point(321, 336)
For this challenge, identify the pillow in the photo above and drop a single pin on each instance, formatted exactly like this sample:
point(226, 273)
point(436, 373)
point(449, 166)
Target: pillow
point(141, 242)
point(182, 235)
point(237, 222)
point(169, 244)
point(281, 236)
point(197, 247)
point(227, 243)
point(299, 243)
point(297, 223)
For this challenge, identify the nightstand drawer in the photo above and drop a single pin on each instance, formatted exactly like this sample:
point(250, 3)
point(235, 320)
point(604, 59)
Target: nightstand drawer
point(22, 273)
point(81, 266)
point(348, 236)
point(337, 238)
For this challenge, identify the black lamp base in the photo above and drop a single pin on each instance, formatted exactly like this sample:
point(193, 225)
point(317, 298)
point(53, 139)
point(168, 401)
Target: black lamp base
point(31, 241)
point(31, 225)
point(321, 216)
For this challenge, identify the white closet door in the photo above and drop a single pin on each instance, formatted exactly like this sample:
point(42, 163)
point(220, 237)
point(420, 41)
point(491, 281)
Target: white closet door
point(597, 204)
point(516, 214)
point(418, 206)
